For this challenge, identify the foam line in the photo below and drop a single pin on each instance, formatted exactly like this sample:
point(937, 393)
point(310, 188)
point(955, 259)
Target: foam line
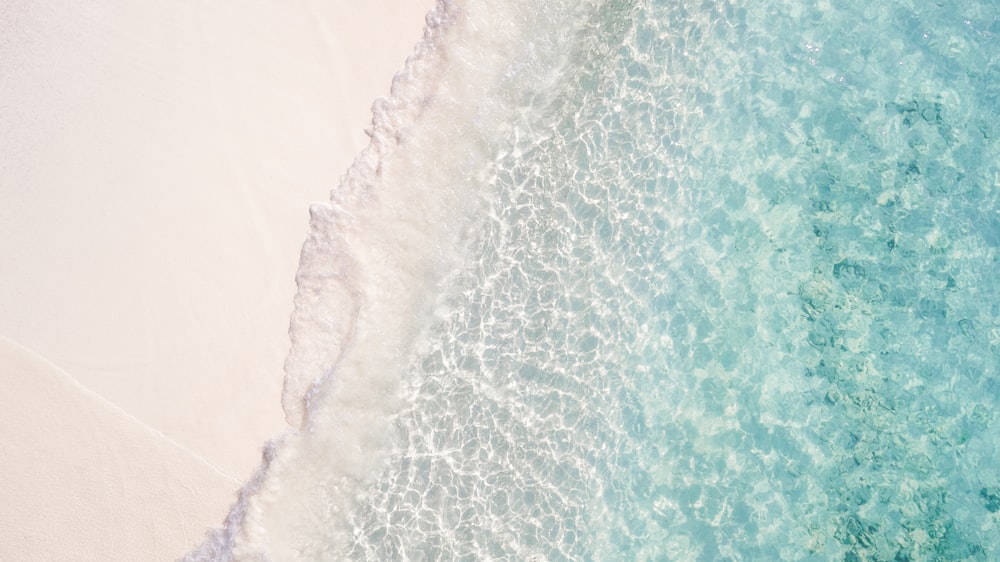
point(377, 260)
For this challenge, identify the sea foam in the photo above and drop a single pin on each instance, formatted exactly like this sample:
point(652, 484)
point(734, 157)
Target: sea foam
point(377, 256)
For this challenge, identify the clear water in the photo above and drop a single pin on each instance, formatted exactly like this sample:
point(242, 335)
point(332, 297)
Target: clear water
point(735, 297)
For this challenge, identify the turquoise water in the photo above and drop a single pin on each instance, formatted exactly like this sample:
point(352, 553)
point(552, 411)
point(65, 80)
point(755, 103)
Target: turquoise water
point(736, 299)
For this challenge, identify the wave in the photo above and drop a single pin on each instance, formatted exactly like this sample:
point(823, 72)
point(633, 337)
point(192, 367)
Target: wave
point(377, 259)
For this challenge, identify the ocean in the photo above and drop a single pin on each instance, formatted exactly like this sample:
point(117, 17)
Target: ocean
point(654, 280)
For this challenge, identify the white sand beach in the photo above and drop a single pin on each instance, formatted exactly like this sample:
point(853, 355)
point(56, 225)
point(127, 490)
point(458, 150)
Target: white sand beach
point(157, 161)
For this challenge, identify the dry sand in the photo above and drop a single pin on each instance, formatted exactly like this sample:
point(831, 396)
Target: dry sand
point(83, 479)
point(157, 160)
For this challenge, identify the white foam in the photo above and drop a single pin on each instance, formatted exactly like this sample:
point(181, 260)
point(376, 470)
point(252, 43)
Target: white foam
point(372, 270)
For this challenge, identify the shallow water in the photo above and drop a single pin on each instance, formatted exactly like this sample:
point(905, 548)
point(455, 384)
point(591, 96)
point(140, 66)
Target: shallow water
point(737, 299)
point(733, 295)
